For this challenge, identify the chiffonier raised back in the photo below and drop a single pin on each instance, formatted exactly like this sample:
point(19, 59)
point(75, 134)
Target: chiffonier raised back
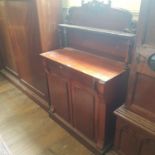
point(87, 76)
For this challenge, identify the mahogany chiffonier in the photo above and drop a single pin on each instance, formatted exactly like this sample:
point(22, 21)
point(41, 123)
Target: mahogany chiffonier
point(135, 131)
point(87, 77)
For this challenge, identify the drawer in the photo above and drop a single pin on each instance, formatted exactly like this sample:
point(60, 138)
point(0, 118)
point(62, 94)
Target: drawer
point(71, 74)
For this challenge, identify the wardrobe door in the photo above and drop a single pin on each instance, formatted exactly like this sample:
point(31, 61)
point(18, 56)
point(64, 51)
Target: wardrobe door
point(141, 98)
point(2, 47)
point(49, 17)
point(6, 44)
point(22, 25)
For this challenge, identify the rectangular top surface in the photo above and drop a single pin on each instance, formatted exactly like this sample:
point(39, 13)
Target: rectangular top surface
point(97, 67)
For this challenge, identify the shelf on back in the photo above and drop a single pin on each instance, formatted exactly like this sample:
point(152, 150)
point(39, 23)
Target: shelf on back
point(125, 35)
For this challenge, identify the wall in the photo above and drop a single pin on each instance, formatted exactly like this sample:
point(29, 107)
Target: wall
point(132, 5)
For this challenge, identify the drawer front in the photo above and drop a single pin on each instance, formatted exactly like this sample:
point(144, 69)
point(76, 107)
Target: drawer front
point(71, 74)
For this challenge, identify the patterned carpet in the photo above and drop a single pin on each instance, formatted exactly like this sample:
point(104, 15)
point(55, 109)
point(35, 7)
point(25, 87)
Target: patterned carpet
point(3, 148)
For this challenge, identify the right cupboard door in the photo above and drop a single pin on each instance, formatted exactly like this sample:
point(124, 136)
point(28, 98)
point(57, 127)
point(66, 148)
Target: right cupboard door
point(84, 109)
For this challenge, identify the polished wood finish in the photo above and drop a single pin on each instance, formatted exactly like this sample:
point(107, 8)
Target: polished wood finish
point(135, 134)
point(82, 93)
point(26, 35)
point(97, 67)
point(141, 94)
point(8, 56)
point(108, 32)
point(60, 104)
point(22, 25)
point(87, 77)
point(84, 30)
point(28, 130)
point(1, 34)
point(39, 135)
point(102, 42)
point(135, 131)
point(49, 12)
point(119, 20)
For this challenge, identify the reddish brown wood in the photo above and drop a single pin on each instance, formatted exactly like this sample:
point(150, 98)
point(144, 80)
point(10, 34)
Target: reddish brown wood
point(2, 46)
point(135, 131)
point(7, 53)
point(87, 97)
point(87, 80)
point(86, 31)
point(98, 67)
point(26, 37)
point(135, 135)
point(112, 47)
point(141, 88)
point(119, 19)
point(22, 25)
point(83, 109)
point(49, 12)
point(59, 87)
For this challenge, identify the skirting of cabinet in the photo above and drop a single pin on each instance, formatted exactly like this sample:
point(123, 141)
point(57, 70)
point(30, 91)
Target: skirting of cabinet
point(11, 71)
point(25, 88)
point(80, 137)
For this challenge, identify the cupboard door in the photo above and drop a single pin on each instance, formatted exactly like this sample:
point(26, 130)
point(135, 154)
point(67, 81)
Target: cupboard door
point(59, 95)
point(84, 106)
point(132, 140)
point(147, 147)
point(126, 138)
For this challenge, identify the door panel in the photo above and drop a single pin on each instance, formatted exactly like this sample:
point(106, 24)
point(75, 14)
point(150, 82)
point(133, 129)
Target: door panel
point(127, 136)
point(147, 147)
point(144, 92)
point(7, 52)
point(84, 106)
point(59, 92)
point(141, 96)
point(49, 13)
point(15, 21)
point(23, 28)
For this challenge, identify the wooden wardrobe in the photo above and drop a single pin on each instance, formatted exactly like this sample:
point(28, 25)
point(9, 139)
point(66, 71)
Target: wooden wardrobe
point(28, 28)
point(135, 130)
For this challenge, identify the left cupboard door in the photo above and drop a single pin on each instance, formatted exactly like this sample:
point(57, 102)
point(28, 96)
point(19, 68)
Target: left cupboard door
point(59, 96)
